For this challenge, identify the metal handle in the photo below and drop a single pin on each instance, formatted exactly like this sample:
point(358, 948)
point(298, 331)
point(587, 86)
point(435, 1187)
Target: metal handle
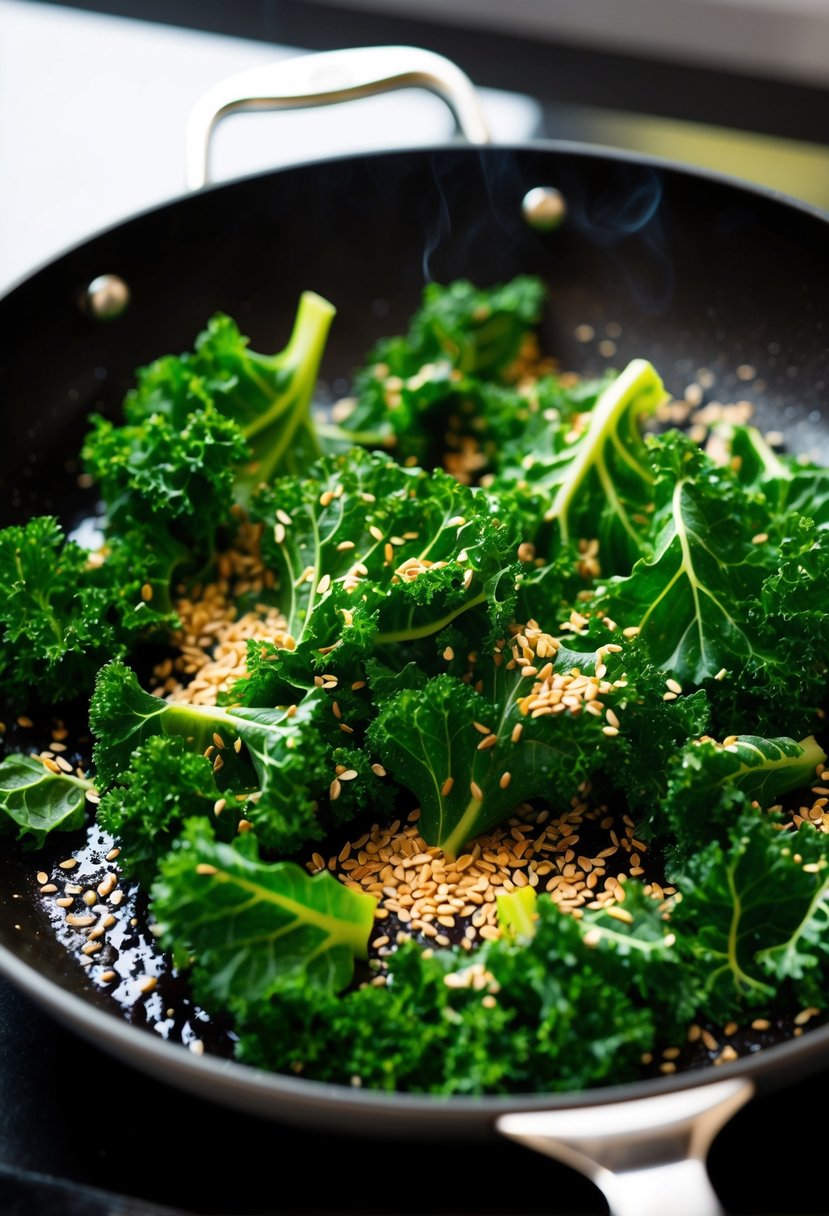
point(327, 78)
point(646, 1156)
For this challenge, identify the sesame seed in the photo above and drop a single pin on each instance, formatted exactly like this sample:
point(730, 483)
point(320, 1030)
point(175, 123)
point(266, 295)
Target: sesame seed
point(476, 790)
point(446, 788)
point(449, 654)
point(674, 685)
point(334, 789)
point(505, 780)
point(323, 584)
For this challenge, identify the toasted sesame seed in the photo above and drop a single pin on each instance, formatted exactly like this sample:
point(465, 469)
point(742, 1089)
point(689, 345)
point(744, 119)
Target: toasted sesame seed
point(476, 790)
point(446, 788)
point(334, 789)
point(449, 654)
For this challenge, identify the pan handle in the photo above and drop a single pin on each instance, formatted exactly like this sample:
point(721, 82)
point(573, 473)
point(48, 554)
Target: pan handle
point(646, 1156)
point(326, 78)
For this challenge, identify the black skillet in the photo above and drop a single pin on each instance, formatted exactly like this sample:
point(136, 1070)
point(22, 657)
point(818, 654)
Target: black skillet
point(687, 269)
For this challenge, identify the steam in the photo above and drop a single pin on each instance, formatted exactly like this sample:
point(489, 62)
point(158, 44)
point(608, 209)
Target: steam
point(623, 217)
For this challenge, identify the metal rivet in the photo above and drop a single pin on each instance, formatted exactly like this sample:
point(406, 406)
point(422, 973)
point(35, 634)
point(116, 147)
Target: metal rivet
point(106, 297)
point(544, 207)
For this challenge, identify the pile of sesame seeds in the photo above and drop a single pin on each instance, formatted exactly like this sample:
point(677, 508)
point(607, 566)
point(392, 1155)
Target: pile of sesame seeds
point(209, 649)
point(582, 858)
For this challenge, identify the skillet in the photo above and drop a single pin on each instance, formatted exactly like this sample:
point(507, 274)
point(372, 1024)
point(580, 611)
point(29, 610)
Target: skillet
point(690, 270)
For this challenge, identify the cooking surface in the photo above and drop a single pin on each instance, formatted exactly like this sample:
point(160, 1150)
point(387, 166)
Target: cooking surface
point(82, 1132)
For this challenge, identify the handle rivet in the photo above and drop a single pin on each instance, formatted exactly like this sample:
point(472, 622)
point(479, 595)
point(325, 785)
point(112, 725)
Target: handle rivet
point(544, 208)
point(106, 297)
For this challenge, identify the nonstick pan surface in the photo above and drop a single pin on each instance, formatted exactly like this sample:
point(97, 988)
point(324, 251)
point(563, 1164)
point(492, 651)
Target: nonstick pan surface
point(690, 271)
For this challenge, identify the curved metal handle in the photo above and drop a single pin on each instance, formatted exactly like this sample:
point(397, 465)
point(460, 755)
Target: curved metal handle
point(327, 78)
point(646, 1156)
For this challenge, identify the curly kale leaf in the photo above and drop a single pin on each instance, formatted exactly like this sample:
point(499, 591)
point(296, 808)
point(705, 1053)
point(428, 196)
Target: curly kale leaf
point(692, 811)
point(471, 757)
point(369, 555)
point(753, 913)
point(64, 611)
point(790, 485)
point(159, 475)
point(593, 474)
point(411, 389)
point(165, 784)
point(243, 925)
point(203, 430)
point(512, 1017)
point(690, 598)
point(36, 801)
point(281, 770)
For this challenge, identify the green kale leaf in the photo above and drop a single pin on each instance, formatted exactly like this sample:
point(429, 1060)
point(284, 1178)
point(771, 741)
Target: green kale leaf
point(243, 925)
point(594, 478)
point(38, 801)
point(276, 760)
point(753, 913)
point(369, 555)
point(64, 611)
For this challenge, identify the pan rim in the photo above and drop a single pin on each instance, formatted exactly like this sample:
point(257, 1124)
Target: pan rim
point(233, 1083)
point(577, 148)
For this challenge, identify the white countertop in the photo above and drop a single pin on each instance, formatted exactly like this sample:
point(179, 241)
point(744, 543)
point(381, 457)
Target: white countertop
point(93, 111)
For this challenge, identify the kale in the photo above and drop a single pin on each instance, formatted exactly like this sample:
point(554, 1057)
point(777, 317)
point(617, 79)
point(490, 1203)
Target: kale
point(505, 595)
